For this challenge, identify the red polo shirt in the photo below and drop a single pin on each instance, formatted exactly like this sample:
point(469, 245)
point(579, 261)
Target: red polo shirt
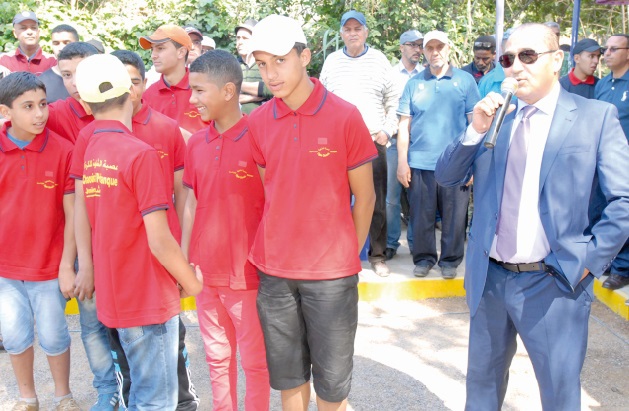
point(32, 184)
point(307, 231)
point(122, 182)
point(230, 198)
point(37, 64)
point(174, 102)
point(67, 117)
point(159, 132)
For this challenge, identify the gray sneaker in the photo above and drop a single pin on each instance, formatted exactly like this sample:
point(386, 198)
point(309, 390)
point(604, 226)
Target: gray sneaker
point(24, 406)
point(448, 272)
point(421, 270)
point(68, 404)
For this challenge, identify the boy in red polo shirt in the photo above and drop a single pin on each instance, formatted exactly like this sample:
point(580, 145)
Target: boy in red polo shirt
point(28, 55)
point(125, 196)
point(163, 134)
point(170, 95)
point(312, 149)
point(36, 197)
point(68, 117)
point(222, 214)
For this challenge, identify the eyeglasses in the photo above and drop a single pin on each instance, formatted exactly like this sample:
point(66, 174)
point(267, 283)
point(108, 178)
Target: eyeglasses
point(525, 56)
point(413, 45)
point(483, 44)
point(613, 49)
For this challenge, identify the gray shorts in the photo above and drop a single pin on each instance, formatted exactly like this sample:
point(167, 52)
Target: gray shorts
point(309, 324)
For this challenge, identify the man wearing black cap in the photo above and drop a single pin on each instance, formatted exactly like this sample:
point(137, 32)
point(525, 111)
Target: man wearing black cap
point(580, 80)
point(484, 56)
point(28, 55)
point(253, 92)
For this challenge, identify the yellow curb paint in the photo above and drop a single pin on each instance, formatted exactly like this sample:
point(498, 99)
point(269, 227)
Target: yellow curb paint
point(420, 289)
point(615, 300)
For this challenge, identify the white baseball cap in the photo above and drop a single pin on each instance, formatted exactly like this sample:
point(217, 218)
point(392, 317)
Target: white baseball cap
point(101, 77)
point(436, 35)
point(276, 35)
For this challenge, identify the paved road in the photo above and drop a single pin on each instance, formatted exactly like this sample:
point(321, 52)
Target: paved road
point(410, 355)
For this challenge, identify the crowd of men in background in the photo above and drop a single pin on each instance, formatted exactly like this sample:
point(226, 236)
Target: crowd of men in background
point(413, 111)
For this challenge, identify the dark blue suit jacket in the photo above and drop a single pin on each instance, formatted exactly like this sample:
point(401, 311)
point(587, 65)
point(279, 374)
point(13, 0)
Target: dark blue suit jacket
point(585, 139)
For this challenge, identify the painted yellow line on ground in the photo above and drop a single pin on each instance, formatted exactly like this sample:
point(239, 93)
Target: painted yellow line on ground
point(423, 288)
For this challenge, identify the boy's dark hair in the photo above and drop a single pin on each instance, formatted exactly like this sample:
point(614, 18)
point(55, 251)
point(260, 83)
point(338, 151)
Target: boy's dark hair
point(178, 46)
point(66, 28)
point(299, 47)
point(16, 84)
point(108, 104)
point(220, 66)
point(132, 59)
point(78, 49)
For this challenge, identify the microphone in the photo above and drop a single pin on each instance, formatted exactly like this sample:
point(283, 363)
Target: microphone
point(507, 89)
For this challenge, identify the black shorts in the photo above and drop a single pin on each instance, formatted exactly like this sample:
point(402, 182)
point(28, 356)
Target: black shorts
point(309, 324)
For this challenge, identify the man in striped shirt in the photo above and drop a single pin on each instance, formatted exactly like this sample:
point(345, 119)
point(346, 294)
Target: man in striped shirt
point(363, 76)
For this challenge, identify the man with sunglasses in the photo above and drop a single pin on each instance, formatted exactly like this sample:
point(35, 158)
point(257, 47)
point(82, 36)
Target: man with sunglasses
point(411, 48)
point(530, 263)
point(614, 89)
point(484, 55)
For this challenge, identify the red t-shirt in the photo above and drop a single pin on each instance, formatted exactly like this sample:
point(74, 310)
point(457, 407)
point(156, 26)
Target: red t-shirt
point(307, 231)
point(122, 182)
point(33, 182)
point(37, 64)
point(174, 102)
point(159, 132)
point(67, 117)
point(230, 199)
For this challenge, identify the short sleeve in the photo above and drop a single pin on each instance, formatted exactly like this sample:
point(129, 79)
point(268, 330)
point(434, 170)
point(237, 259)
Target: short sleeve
point(473, 96)
point(404, 108)
point(360, 147)
point(69, 181)
point(256, 150)
point(180, 150)
point(76, 168)
point(147, 182)
point(188, 172)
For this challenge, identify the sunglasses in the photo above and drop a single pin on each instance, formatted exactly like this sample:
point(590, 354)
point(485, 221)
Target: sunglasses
point(525, 56)
point(612, 49)
point(483, 44)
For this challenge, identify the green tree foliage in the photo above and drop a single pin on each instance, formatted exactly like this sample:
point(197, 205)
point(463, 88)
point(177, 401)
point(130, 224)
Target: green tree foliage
point(119, 23)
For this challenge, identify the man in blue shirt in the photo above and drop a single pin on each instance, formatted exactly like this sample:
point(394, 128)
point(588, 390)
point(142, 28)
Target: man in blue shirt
point(614, 89)
point(484, 55)
point(493, 80)
point(437, 105)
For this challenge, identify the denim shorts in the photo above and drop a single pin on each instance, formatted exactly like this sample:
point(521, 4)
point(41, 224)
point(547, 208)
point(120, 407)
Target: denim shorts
point(22, 303)
point(309, 325)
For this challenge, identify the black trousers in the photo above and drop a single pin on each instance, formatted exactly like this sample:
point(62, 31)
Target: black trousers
point(426, 198)
point(378, 228)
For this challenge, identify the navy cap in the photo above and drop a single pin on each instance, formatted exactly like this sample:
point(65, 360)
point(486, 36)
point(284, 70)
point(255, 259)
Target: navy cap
point(353, 14)
point(25, 15)
point(410, 36)
point(586, 45)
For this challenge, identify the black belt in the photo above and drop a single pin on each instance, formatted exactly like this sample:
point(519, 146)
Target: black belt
point(520, 268)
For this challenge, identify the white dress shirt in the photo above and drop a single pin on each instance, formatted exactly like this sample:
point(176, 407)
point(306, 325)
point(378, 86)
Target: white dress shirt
point(532, 241)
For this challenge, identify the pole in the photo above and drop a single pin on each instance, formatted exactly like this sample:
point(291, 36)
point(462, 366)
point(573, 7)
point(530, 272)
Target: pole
point(576, 10)
point(500, 17)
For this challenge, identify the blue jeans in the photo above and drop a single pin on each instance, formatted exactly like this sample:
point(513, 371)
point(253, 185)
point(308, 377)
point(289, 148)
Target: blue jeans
point(22, 303)
point(394, 207)
point(96, 342)
point(151, 352)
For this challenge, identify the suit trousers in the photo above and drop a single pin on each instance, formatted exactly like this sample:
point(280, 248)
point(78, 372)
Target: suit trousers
point(553, 326)
point(426, 198)
point(378, 227)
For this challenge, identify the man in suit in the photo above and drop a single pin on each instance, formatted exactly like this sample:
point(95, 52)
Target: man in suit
point(530, 266)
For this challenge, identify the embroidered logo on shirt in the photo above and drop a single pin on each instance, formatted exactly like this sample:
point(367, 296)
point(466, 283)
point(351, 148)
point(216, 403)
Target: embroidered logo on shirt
point(49, 184)
point(323, 151)
point(240, 174)
point(192, 114)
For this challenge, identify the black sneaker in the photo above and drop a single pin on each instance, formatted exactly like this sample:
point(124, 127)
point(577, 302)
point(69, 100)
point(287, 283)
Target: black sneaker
point(389, 253)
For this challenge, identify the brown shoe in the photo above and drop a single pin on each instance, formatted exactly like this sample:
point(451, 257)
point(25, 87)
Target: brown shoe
point(68, 404)
point(615, 281)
